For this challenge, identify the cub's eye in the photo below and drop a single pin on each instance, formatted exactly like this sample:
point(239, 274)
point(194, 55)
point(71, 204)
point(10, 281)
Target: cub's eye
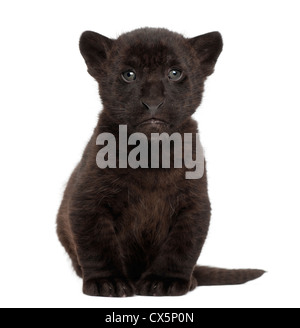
point(129, 76)
point(174, 75)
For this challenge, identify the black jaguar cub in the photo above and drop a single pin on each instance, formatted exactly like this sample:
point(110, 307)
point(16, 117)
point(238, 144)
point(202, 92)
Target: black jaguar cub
point(141, 230)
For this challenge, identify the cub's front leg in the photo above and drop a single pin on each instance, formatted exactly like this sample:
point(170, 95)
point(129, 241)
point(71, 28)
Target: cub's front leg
point(98, 252)
point(171, 273)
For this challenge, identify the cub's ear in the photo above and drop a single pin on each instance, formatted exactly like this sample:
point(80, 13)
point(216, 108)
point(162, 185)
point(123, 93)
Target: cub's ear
point(208, 46)
point(94, 48)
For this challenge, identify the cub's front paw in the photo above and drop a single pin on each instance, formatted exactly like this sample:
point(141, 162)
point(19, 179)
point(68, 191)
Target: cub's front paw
point(108, 287)
point(153, 285)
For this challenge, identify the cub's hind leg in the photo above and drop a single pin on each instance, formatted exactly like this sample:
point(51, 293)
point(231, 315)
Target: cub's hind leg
point(67, 241)
point(63, 229)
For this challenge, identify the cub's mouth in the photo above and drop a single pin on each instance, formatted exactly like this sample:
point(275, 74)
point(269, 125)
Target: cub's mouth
point(153, 121)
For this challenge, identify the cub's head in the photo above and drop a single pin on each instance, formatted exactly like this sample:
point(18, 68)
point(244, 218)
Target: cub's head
point(150, 79)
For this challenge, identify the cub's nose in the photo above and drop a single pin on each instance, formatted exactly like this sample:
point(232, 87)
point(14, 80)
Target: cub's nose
point(152, 106)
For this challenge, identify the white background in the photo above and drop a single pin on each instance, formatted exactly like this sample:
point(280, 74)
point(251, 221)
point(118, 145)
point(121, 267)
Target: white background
point(249, 123)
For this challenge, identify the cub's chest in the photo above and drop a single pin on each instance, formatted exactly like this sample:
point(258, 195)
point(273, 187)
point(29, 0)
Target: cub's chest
point(145, 216)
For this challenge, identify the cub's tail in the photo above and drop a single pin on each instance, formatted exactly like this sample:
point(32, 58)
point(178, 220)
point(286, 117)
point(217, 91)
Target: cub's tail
point(208, 276)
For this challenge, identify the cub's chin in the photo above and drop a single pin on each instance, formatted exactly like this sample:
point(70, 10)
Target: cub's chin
point(153, 127)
